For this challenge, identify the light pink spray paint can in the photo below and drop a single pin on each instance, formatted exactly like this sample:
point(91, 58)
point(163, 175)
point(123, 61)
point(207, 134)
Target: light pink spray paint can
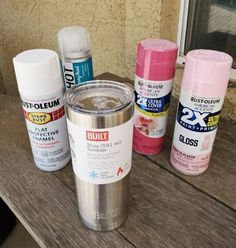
point(202, 94)
point(155, 70)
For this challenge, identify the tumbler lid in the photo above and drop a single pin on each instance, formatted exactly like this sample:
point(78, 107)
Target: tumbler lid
point(99, 97)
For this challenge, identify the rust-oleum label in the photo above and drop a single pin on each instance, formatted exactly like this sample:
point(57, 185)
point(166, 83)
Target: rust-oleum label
point(195, 131)
point(197, 121)
point(152, 99)
point(41, 118)
point(46, 124)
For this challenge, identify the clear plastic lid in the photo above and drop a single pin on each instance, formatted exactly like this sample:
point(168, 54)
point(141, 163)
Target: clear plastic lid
point(73, 42)
point(99, 97)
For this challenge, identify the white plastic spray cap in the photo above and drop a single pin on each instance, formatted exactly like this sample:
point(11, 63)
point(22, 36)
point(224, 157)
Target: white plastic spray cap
point(73, 42)
point(38, 72)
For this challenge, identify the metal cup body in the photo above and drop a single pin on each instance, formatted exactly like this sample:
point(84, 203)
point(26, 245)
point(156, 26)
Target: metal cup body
point(102, 207)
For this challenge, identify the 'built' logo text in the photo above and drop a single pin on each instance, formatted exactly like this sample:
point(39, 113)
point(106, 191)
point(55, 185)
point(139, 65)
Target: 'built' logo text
point(97, 136)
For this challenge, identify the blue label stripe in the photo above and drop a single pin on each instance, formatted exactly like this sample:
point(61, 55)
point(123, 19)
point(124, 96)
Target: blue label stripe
point(153, 105)
point(197, 121)
point(83, 71)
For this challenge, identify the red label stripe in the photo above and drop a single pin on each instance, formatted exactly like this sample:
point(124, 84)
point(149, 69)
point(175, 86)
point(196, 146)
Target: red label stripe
point(55, 115)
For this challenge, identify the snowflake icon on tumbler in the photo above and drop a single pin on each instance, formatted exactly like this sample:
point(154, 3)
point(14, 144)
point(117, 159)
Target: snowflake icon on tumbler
point(93, 174)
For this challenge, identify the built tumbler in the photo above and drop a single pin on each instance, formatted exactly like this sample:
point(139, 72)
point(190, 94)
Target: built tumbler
point(100, 125)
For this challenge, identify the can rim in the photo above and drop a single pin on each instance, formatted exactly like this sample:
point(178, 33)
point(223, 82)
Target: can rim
point(68, 97)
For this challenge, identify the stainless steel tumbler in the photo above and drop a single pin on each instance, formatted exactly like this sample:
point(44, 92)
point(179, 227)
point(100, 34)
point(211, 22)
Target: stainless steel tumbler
point(100, 126)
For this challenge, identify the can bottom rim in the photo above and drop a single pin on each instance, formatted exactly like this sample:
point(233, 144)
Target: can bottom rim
point(187, 173)
point(51, 169)
point(102, 227)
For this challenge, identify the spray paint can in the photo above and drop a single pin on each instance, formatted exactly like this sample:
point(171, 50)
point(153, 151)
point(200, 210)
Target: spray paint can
point(155, 70)
point(76, 59)
point(100, 125)
point(204, 85)
point(41, 90)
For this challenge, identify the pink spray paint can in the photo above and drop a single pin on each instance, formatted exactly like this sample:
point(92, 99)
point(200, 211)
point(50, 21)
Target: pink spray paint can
point(202, 94)
point(155, 70)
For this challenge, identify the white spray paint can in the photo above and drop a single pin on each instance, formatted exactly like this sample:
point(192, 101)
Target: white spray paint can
point(75, 55)
point(41, 90)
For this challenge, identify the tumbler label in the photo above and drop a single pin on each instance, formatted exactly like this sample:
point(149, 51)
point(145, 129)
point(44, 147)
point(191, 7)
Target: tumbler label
point(101, 156)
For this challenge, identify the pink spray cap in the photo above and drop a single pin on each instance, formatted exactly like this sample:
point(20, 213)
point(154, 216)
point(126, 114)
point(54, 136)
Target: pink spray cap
point(156, 59)
point(206, 72)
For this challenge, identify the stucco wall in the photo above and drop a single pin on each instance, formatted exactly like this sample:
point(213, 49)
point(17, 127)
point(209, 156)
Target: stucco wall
point(115, 27)
point(169, 19)
point(28, 24)
point(142, 21)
